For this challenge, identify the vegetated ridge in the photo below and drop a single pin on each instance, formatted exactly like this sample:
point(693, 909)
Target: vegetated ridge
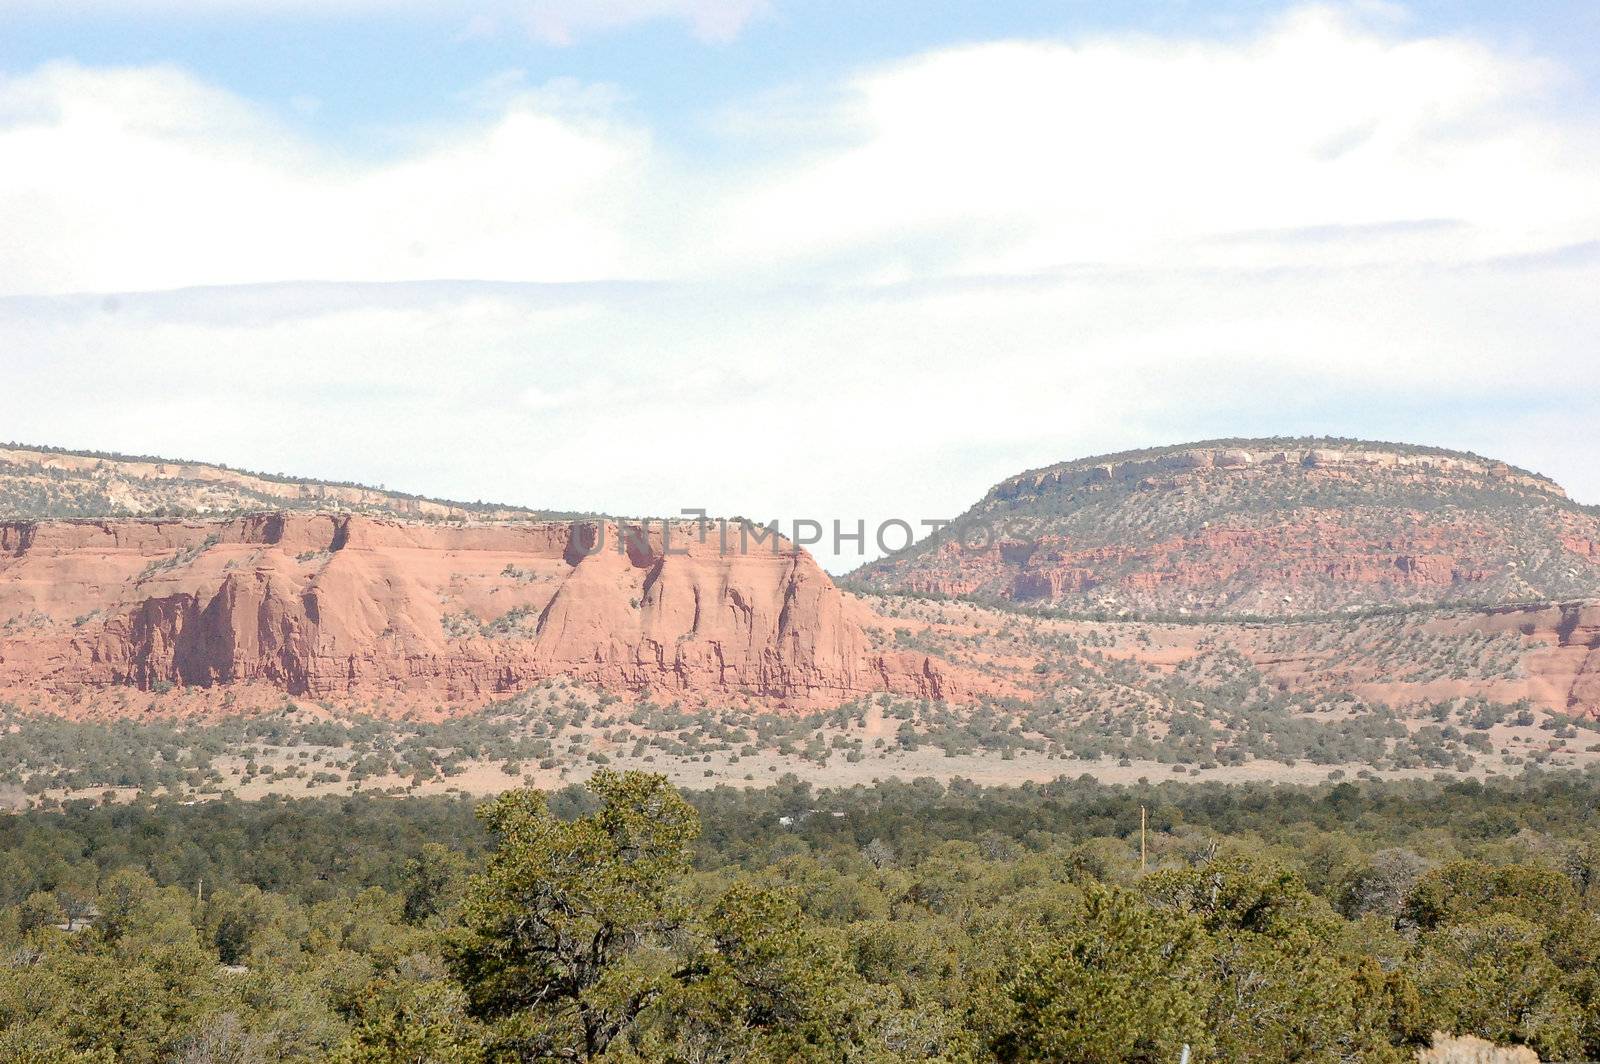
point(44, 483)
point(1271, 527)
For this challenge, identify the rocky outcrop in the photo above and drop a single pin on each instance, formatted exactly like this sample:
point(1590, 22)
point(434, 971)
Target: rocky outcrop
point(1274, 563)
point(1261, 529)
point(1564, 669)
point(351, 609)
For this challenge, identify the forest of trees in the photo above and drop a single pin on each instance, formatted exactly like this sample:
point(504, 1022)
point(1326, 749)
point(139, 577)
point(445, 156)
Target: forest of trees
point(903, 921)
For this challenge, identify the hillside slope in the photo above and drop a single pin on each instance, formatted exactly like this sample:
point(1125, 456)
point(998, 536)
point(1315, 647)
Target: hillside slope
point(38, 483)
point(1261, 527)
point(1543, 657)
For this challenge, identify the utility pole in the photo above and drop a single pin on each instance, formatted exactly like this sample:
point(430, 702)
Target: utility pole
point(1144, 821)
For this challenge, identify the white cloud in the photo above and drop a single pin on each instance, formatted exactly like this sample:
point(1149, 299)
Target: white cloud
point(970, 262)
point(147, 179)
point(1026, 155)
point(1317, 141)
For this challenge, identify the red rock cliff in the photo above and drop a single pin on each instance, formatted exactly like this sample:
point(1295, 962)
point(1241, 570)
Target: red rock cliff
point(347, 608)
point(1261, 530)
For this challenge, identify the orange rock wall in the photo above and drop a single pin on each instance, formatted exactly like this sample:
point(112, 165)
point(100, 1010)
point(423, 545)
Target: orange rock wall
point(345, 608)
point(1369, 544)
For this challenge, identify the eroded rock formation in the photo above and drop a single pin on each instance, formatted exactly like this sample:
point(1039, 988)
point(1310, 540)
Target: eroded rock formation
point(349, 608)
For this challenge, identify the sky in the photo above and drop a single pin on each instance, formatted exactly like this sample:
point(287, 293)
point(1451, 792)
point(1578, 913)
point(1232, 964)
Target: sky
point(826, 261)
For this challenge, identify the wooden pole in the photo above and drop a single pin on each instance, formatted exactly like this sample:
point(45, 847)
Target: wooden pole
point(1143, 822)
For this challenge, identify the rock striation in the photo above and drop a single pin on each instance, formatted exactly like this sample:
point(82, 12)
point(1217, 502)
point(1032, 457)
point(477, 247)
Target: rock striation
point(1271, 528)
point(1564, 668)
point(353, 608)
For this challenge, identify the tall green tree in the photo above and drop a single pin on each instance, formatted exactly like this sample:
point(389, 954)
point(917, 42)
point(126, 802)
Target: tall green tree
point(569, 933)
point(1118, 987)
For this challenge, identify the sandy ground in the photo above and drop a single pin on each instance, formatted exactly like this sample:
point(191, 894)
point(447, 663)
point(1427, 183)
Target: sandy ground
point(482, 778)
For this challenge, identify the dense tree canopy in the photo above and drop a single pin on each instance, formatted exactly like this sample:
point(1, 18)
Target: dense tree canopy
point(907, 921)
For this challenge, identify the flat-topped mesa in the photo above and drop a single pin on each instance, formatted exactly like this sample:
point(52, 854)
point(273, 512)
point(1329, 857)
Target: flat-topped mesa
point(1261, 527)
point(1327, 461)
point(45, 483)
point(351, 608)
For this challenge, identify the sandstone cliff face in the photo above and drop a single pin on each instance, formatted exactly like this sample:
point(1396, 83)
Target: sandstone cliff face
point(1268, 569)
point(1265, 530)
point(349, 608)
point(1564, 671)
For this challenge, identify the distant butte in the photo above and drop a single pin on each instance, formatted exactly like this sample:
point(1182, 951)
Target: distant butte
point(1261, 528)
